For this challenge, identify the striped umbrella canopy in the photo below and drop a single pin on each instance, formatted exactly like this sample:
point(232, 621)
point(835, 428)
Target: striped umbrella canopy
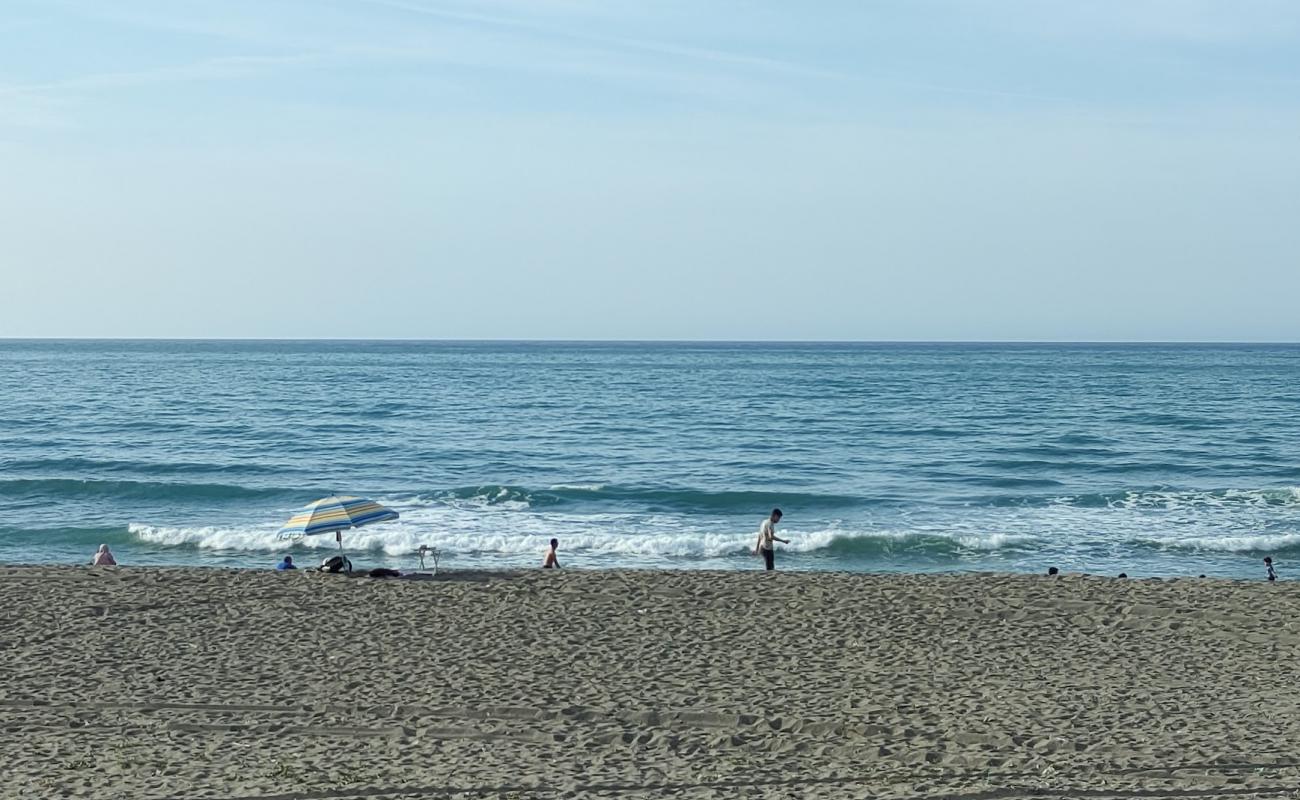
point(334, 515)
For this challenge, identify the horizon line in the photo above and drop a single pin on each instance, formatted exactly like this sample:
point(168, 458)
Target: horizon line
point(507, 340)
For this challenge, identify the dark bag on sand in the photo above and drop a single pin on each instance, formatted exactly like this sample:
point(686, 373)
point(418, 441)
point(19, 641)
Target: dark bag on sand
point(383, 572)
point(336, 564)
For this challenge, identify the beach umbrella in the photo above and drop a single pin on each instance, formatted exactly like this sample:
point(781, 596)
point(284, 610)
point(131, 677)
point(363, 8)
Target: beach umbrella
point(335, 515)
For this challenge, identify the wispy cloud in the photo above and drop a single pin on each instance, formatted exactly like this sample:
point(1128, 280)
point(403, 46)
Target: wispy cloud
point(689, 80)
point(1196, 22)
point(618, 42)
point(224, 67)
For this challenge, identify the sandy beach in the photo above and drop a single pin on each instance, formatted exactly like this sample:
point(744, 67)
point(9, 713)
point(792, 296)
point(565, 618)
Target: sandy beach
point(204, 683)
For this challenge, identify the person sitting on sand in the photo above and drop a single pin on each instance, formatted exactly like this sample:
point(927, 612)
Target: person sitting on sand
point(1272, 573)
point(766, 537)
point(287, 563)
point(551, 562)
point(104, 557)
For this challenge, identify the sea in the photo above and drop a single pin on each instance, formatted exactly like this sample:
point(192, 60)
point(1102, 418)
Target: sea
point(1146, 459)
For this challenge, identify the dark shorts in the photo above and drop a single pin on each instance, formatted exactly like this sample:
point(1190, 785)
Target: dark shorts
point(769, 559)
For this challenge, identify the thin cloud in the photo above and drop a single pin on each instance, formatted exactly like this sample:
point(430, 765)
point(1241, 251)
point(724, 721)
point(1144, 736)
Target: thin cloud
point(1195, 22)
point(208, 69)
point(571, 50)
point(705, 54)
point(643, 45)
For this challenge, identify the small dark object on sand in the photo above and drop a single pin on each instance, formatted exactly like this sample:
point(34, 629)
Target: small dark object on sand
point(1053, 571)
point(384, 572)
point(1123, 575)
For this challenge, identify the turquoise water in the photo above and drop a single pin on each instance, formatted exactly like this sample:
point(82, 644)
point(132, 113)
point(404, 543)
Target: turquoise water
point(1149, 459)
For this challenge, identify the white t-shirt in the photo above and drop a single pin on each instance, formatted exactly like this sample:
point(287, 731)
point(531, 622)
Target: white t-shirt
point(766, 532)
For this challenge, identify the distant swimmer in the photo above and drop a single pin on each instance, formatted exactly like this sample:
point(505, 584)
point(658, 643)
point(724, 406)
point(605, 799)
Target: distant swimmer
point(551, 561)
point(1272, 573)
point(766, 537)
point(104, 557)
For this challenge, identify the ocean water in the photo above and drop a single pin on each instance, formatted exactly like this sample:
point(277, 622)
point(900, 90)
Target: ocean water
point(1148, 459)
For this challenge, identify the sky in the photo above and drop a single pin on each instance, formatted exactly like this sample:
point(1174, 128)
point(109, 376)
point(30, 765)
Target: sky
point(606, 169)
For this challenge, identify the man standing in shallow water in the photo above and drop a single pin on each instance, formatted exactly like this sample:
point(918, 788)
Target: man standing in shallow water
point(766, 537)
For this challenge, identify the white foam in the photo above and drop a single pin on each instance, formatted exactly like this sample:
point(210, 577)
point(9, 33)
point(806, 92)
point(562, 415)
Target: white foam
point(1233, 544)
point(529, 535)
point(993, 541)
point(212, 537)
point(502, 499)
point(398, 539)
point(1193, 499)
point(484, 526)
point(1231, 521)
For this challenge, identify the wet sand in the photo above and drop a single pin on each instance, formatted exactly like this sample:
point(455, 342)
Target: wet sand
point(204, 683)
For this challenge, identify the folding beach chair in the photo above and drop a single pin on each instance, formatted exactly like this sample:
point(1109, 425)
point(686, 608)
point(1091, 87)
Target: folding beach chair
point(430, 552)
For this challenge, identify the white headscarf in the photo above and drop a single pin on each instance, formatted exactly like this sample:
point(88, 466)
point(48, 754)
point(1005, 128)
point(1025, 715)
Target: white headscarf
point(104, 558)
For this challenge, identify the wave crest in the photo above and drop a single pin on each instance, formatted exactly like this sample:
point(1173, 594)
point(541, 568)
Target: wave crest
point(397, 539)
point(650, 498)
point(1256, 544)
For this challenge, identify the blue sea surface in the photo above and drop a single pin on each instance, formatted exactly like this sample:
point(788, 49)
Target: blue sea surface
point(1148, 459)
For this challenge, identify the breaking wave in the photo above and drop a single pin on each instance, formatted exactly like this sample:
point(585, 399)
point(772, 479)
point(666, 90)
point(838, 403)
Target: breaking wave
point(649, 498)
point(398, 539)
point(1259, 544)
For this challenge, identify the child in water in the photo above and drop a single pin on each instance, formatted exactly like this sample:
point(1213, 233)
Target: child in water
point(1272, 573)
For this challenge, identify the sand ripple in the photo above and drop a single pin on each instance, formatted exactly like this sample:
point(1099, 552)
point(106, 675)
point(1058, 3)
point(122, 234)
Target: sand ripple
point(188, 683)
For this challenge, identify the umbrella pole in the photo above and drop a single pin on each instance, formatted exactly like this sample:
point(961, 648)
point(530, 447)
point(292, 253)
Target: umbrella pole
point(338, 537)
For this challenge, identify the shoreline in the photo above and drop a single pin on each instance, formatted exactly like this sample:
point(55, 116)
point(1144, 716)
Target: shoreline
point(454, 573)
point(752, 566)
point(198, 682)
